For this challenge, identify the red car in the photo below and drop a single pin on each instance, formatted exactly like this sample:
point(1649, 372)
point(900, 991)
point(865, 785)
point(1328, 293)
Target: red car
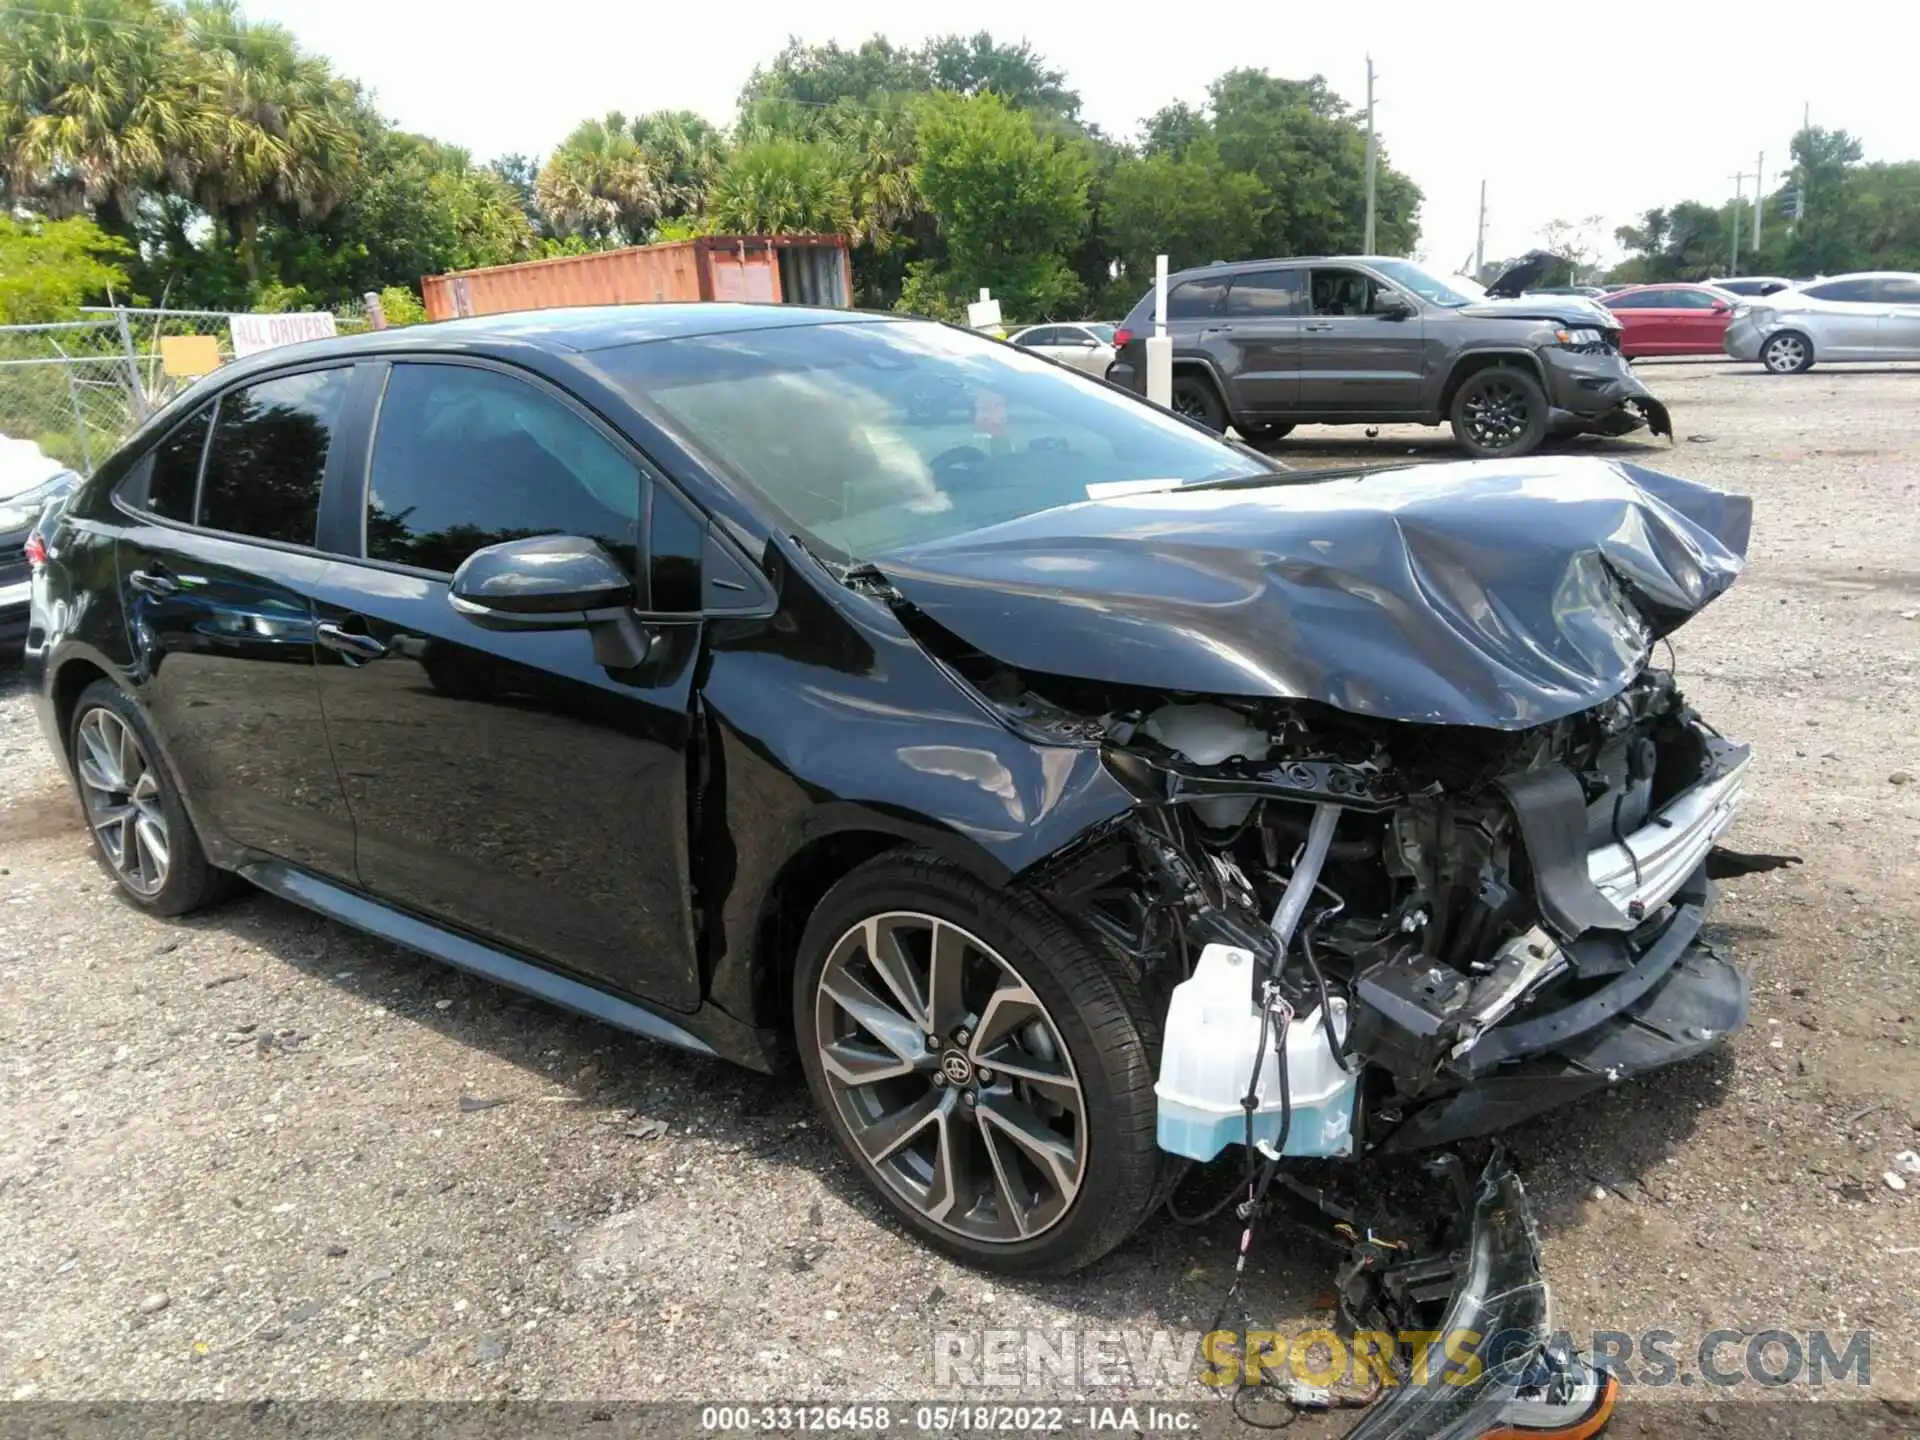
point(1671, 319)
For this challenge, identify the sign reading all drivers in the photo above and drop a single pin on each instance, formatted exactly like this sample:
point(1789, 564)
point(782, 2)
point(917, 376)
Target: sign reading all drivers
point(253, 333)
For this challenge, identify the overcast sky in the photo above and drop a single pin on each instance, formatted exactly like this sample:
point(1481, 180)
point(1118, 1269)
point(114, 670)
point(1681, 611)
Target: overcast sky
point(1564, 110)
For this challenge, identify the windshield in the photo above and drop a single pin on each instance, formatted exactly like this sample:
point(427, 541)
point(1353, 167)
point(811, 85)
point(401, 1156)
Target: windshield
point(872, 436)
point(1105, 332)
point(1410, 276)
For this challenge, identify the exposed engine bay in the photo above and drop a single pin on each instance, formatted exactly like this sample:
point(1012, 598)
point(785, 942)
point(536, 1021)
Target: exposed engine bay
point(1447, 903)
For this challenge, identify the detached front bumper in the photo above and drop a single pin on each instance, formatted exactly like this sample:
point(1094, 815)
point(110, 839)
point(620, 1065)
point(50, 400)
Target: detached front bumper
point(1599, 391)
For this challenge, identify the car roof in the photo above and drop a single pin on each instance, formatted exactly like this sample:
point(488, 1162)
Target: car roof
point(1867, 275)
point(1238, 267)
point(579, 328)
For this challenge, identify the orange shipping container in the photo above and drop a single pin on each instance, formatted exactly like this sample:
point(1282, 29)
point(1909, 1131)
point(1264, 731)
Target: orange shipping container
point(782, 269)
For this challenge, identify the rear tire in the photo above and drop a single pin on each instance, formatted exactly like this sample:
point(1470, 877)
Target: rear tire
point(1195, 398)
point(1787, 352)
point(139, 825)
point(1499, 413)
point(1263, 431)
point(938, 1089)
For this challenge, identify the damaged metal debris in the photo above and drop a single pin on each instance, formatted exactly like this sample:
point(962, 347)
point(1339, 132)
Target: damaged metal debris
point(1412, 798)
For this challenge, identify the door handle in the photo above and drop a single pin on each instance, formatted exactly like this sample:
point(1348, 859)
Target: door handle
point(153, 582)
point(1314, 329)
point(349, 642)
point(1218, 330)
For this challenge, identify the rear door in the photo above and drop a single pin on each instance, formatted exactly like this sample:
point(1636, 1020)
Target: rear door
point(1899, 337)
point(217, 569)
point(1354, 359)
point(507, 783)
point(1261, 332)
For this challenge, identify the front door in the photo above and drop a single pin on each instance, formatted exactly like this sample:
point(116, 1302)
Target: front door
point(217, 573)
point(505, 783)
point(1353, 358)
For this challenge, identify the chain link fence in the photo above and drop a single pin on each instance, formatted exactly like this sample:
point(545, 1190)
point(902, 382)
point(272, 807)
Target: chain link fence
point(77, 388)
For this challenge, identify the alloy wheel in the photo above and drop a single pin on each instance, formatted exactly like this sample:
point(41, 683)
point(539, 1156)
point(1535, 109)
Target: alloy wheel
point(121, 791)
point(951, 1077)
point(1496, 414)
point(1186, 403)
point(1785, 353)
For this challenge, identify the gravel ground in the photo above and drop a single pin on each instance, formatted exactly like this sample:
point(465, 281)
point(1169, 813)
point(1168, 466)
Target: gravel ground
point(254, 1154)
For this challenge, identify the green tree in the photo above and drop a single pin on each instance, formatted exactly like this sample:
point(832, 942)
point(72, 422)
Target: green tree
point(1828, 237)
point(1008, 202)
point(791, 90)
point(601, 184)
point(1301, 142)
point(100, 102)
point(782, 184)
point(1192, 210)
point(969, 64)
point(48, 268)
point(284, 143)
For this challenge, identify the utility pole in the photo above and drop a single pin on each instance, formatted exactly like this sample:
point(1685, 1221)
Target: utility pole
point(1739, 179)
point(1372, 152)
point(1480, 235)
point(1759, 189)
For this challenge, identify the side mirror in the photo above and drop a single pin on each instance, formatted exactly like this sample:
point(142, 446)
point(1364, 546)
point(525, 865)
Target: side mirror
point(552, 582)
point(1392, 305)
point(1721, 307)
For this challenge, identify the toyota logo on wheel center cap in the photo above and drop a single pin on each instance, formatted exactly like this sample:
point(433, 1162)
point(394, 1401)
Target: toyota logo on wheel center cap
point(956, 1067)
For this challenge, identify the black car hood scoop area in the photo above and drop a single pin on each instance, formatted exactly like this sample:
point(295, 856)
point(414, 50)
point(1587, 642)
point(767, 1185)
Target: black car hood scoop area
point(1502, 594)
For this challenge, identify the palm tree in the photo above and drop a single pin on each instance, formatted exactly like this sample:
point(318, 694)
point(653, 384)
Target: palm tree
point(284, 141)
point(781, 185)
point(683, 152)
point(100, 100)
point(601, 184)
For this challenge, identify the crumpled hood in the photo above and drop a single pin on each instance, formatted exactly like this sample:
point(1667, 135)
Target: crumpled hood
point(1502, 594)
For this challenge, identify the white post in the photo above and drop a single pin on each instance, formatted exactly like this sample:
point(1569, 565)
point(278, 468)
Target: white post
point(1160, 344)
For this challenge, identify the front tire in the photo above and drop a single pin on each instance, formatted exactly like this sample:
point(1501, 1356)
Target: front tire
point(1787, 353)
point(140, 828)
point(1195, 398)
point(988, 1072)
point(1499, 413)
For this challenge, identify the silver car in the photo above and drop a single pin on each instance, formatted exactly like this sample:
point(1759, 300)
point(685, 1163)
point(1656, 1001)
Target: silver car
point(1085, 345)
point(1874, 315)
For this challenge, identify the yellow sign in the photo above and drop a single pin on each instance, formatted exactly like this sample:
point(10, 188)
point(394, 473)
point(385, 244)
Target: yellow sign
point(188, 355)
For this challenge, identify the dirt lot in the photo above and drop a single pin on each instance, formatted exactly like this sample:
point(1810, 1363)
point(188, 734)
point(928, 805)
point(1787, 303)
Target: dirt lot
point(254, 1154)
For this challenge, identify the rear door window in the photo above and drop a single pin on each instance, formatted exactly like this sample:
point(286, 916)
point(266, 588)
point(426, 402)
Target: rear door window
point(269, 456)
point(1195, 299)
point(174, 479)
point(1266, 293)
point(466, 458)
point(1853, 291)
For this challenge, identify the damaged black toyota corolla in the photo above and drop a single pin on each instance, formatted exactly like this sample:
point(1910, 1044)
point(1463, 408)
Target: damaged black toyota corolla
point(1051, 775)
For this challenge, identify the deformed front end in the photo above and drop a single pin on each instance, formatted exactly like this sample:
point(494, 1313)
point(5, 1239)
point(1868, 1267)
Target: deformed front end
point(1421, 841)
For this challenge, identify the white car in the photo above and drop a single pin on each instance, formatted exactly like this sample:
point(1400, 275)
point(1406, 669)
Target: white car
point(1085, 345)
point(1874, 315)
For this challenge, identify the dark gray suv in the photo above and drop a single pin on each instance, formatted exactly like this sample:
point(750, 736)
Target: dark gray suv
point(1265, 345)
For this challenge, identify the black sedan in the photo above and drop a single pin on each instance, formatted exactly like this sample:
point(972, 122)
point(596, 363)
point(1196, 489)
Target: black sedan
point(683, 666)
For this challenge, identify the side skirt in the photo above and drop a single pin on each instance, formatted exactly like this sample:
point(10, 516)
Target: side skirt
point(705, 1032)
